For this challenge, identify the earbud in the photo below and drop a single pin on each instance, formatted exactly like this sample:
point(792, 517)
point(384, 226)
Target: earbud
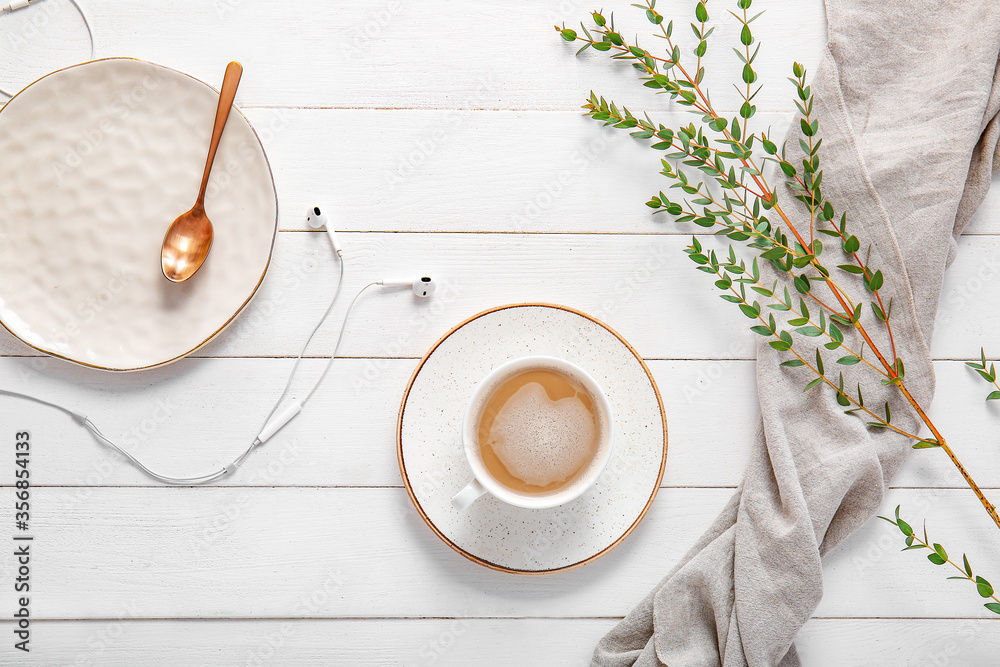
point(316, 219)
point(422, 287)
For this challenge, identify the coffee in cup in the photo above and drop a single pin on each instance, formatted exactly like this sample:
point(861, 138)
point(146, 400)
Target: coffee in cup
point(537, 433)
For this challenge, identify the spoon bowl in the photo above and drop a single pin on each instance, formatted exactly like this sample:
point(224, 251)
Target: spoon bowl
point(186, 246)
point(189, 238)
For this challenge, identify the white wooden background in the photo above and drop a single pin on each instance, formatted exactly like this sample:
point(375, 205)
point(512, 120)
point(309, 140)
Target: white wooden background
point(430, 127)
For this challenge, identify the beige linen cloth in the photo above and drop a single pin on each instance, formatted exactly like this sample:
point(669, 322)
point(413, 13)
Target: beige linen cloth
point(907, 97)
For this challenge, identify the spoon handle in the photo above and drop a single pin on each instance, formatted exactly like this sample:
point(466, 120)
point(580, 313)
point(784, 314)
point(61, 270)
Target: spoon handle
point(226, 97)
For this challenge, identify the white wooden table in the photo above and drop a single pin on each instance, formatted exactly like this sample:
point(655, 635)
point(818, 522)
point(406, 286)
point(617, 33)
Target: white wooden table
point(432, 129)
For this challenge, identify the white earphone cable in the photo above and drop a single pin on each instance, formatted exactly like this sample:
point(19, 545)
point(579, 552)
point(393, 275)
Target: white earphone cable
point(269, 428)
point(21, 4)
point(312, 334)
point(340, 338)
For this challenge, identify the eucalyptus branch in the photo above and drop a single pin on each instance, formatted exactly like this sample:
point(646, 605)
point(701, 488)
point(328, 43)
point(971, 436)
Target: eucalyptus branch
point(729, 158)
point(939, 556)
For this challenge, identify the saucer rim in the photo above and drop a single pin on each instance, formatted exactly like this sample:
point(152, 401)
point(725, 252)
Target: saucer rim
point(444, 538)
point(270, 252)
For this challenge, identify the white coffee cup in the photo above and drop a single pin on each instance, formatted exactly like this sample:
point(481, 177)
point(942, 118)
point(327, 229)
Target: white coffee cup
point(483, 482)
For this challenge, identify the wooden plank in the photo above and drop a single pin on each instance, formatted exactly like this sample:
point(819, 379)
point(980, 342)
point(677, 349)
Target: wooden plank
point(234, 553)
point(459, 642)
point(642, 286)
point(449, 170)
point(390, 53)
point(864, 642)
point(201, 414)
point(413, 170)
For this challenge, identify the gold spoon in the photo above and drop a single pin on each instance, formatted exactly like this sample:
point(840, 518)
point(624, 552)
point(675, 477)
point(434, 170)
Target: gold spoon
point(189, 238)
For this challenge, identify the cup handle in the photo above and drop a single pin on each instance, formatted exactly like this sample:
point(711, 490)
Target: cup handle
point(472, 491)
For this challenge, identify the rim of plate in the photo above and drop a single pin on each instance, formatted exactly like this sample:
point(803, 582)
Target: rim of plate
point(444, 538)
point(270, 251)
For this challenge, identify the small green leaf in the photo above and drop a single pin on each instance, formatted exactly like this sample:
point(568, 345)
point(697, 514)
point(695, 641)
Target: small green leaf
point(968, 568)
point(984, 587)
point(849, 360)
point(993, 606)
point(936, 559)
point(994, 395)
point(813, 384)
point(701, 12)
point(792, 363)
point(925, 444)
point(568, 34)
point(809, 331)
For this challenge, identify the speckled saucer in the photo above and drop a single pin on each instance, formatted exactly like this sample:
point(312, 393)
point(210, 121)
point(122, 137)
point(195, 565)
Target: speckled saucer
point(433, 464)
point(98, 160)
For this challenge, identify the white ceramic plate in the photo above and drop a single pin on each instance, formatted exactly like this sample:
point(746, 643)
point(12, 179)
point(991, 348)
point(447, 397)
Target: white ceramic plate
point(515, 539)
point(98, 160)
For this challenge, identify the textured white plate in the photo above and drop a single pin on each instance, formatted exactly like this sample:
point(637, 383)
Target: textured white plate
point(98, 160)
point(513, 539)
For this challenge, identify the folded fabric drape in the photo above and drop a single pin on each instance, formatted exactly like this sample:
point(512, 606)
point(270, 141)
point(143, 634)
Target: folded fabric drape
point(907, 98)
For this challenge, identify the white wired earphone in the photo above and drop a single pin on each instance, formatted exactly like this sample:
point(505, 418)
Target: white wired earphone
point(422, 287)
point(21, 4)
